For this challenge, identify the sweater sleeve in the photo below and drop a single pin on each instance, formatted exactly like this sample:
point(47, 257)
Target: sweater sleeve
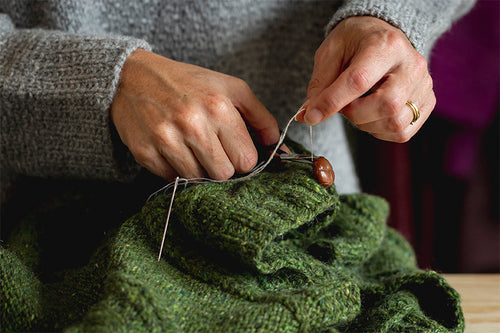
point(55, 92)
point(423, 21)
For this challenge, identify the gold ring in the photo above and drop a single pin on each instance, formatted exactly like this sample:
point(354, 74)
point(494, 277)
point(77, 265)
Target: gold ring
point(414, 109)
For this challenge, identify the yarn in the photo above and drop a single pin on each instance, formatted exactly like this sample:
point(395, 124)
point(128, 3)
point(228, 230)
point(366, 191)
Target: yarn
point(258, 169)
point(274, 253)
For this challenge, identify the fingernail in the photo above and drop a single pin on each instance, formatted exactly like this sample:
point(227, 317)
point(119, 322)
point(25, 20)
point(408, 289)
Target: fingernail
point(300, 112)
point(313, 117)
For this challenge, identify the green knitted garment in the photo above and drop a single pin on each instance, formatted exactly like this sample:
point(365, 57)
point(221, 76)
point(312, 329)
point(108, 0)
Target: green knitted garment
point(276, 253)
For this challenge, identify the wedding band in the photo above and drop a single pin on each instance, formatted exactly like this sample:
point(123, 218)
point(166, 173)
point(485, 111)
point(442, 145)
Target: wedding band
point(414, 109)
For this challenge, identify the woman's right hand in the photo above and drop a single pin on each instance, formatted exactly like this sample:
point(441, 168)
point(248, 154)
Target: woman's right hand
point(183, 120)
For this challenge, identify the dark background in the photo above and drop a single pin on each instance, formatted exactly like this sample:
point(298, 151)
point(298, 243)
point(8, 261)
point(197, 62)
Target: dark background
point(443, 185)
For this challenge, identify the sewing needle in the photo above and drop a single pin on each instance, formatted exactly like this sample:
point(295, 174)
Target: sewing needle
point(168, 217)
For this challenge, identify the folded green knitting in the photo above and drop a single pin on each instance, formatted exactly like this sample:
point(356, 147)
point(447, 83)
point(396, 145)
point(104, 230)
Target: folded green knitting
point(276, 253)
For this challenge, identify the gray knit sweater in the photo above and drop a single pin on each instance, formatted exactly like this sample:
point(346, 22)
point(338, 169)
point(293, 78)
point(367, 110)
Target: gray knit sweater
point(60, 64)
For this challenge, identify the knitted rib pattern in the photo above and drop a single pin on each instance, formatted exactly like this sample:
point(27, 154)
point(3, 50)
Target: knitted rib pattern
point(275, 253)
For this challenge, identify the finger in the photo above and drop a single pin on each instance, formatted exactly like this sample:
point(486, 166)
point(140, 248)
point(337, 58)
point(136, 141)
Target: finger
point(301, 112)
point(153, 161)
point(255, 114)
point(223, 145)
point(285, 149)
point(182, 159)
point(238, 144)
point(386, 101)
point(207, 150)
point(396, 124)
point(169, 143)
point(391, 113)
point(407, 128)
point(365, 70)
point(214, 159)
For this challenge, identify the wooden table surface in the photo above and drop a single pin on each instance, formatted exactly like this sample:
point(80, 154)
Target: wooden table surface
point(480, 300)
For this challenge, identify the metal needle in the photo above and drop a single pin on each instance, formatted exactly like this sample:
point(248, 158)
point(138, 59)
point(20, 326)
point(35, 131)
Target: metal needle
point(168, 217)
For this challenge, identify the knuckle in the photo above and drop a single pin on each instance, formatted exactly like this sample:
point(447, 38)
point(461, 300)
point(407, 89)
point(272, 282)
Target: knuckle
point(160, 135)
point(396, 124)
point(216, 105)
point(223, 172)
point(327, 105)
point(420, 63)
point(242, 83)
point(319, 55)
point(314, 86)
point(391, 105)
point(314, 83)
point(239, 84)
point(246, 161)
point(194, 133)
point(188, 121)
point(402, 137)
point(372, 42)
point(359, 81)
point(143, 157)
point(432, 101)
point(429, 83)
point(158, 138)
point(394, 40)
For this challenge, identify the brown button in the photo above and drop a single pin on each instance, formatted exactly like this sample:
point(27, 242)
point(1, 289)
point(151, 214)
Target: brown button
point(323, 171)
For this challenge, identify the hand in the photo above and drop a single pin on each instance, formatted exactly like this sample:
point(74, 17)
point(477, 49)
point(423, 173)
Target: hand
point(365, 54)
point(180, 119)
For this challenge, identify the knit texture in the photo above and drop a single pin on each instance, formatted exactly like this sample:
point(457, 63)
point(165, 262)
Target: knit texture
point(61, 96)
point(275, 253)
point(60, 63)
point(423, 22)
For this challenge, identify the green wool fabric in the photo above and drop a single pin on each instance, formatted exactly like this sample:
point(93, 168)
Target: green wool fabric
point(275, 253)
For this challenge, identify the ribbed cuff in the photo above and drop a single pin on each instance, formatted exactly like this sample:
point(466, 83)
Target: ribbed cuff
point(243, 219)
point(422, 21)
point(56, 90)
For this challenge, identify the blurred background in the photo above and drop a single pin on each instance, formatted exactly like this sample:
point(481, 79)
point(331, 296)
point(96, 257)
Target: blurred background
point(443, 185)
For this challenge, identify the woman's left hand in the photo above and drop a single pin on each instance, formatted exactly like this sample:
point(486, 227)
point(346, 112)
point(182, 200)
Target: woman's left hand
point(367, 55)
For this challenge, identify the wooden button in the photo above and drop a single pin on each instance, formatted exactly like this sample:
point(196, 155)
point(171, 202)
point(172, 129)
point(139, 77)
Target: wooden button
point(323, 171)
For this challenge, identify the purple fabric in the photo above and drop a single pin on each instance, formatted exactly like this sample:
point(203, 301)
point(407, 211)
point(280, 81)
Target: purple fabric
point(461, 152)
point(465, 66)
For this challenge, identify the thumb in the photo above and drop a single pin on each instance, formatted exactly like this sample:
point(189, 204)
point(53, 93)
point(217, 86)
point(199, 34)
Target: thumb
point(318, 83)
